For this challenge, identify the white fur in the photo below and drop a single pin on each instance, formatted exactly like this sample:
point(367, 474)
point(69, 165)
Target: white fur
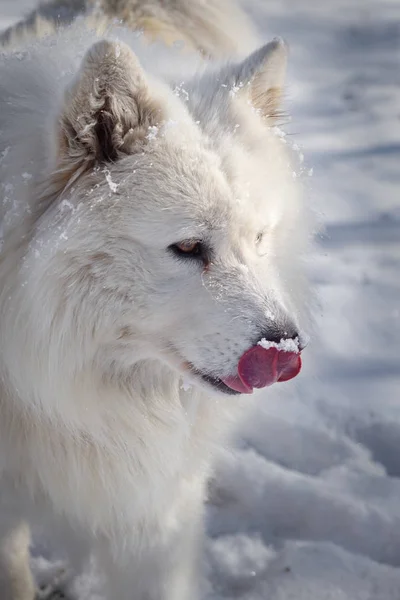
point(99, 433)
point(216, 28)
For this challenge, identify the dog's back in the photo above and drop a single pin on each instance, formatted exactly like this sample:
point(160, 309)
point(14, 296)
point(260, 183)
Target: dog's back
point(215, 28)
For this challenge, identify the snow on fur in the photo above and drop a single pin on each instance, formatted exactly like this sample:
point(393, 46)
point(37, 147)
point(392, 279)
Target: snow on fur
point(307, 506)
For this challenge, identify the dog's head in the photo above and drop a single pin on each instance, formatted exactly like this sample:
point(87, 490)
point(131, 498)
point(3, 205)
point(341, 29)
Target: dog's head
point(175, 230)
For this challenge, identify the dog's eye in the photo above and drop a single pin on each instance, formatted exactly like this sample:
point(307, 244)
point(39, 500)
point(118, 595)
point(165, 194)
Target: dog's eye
point(259, 237)
point(190, 248)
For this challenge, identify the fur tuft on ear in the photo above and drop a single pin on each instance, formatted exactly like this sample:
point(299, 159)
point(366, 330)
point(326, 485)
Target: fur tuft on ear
point(108, 108)
point(262, 76)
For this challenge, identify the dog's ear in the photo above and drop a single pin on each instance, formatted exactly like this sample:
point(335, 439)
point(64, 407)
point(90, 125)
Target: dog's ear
point(261, 76)
point(107, 109)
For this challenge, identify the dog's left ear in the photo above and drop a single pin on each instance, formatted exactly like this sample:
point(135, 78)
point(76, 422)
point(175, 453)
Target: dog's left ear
point(261, 76)
point(107, 109)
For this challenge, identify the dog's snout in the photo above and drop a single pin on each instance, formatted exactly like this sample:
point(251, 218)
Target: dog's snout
point(269, 360)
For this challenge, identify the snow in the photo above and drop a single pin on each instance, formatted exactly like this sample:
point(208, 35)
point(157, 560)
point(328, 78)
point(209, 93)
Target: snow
point(153, 132)
point(306, 507)
point(111, 184)
point(284, 345)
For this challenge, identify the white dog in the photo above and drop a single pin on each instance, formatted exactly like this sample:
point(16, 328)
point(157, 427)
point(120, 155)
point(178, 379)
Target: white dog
point(150, 273)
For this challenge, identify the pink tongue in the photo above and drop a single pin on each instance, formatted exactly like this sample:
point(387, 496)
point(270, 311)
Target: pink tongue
point(260, 367)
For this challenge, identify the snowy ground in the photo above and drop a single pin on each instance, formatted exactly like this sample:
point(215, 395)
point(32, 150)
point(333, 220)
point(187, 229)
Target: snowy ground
point(308, 505)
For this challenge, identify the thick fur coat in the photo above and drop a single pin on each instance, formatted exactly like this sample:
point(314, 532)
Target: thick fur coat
point(215, 28)
point(151, 232)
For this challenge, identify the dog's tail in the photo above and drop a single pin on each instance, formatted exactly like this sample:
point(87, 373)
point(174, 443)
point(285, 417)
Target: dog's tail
point(215, 28)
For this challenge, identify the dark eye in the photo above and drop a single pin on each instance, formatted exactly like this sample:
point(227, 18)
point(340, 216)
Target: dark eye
point(259, 237)
point(189, 248)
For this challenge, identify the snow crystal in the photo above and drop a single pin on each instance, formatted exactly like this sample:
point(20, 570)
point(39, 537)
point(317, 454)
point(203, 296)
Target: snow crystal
point(113, 186)
point(186, 386)
point(289, 345)
point(152, 132)
point(278, 131)
point(180, 91)
point(235, 88)
point(270, 315)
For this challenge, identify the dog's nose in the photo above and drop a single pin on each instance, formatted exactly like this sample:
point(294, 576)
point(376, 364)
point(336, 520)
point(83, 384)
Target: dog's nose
point(282, 334)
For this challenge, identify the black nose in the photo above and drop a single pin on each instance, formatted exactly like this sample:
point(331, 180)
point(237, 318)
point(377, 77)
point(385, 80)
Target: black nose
point(276, 335)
